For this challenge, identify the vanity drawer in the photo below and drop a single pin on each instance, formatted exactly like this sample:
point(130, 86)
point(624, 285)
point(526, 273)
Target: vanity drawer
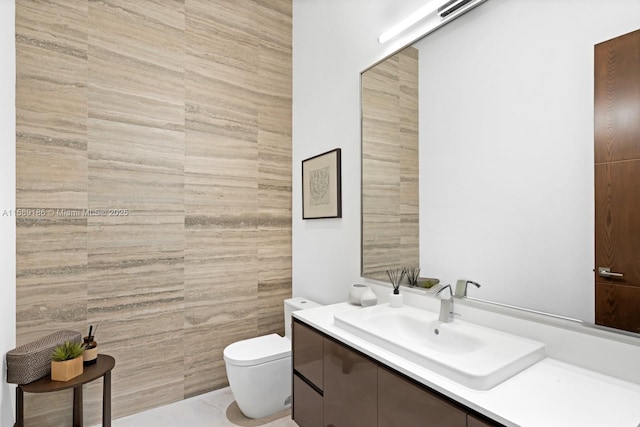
point(308, 353)
point(307, 404)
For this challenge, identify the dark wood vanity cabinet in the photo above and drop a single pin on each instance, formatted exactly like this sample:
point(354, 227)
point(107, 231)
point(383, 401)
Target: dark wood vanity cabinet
point(350, 387)
point(403, 403)
point(336, 386)
point(308, 354)
point(307, 404)
point(308, 373)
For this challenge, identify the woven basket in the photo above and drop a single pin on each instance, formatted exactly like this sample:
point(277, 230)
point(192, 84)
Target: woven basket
point(32, 361)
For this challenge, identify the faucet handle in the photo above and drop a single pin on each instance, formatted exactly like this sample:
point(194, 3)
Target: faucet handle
point(442, 289)
point(461, 287)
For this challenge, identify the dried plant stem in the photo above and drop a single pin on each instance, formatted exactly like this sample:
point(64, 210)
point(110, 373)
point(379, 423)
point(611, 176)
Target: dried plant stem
point(395, 276)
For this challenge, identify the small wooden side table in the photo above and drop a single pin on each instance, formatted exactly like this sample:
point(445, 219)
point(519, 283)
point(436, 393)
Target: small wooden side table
point(102, 368)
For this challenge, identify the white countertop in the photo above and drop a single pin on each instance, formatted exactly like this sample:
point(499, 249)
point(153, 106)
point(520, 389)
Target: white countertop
point(550, 393)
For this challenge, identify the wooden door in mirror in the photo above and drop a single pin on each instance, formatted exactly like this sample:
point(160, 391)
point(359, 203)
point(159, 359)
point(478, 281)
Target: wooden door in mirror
point(617, 182)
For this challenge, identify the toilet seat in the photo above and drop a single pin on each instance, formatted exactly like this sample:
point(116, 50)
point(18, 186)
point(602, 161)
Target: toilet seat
point(254, 351)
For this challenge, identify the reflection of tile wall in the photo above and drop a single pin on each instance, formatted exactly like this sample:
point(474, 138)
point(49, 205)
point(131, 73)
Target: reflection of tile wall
point(180, 114)
point(390, 223)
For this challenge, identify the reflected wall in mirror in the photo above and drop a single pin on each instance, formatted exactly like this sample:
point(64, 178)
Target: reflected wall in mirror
point(390, 227)
point(506, 151)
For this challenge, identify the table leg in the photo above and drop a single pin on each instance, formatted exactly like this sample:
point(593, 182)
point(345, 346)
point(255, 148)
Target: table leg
point(106, 400)
point(19, 407)
point(77, 406)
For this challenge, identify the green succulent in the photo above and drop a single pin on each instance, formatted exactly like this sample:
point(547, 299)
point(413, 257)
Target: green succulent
point(67, 351)
point(429, 283)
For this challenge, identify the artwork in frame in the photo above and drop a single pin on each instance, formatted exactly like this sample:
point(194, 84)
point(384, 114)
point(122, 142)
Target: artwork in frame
point(321, 186)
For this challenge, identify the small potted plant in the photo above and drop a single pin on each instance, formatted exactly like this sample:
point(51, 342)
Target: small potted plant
point(66, 361)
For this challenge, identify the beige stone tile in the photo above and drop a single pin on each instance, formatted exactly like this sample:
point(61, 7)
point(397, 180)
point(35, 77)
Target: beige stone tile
point(220, 275)
point(61, 158)
point(148, 346)
point(275, 20)
point(136, 63)
point(271, 295)
point(210, 24)
point(51, 104)
point(213, 159)
point(204, 363)
point(220, 309)
point(274, 182)
point(274, 91)
point(135, 167)
point(50, 409)
point(51, 275)
point(136, 297)
point(218, 100)
point(220, 298)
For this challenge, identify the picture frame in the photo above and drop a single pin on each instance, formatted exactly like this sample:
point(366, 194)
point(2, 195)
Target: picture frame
point(322, 186)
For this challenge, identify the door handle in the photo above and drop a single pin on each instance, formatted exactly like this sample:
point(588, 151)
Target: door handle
point(606, 272)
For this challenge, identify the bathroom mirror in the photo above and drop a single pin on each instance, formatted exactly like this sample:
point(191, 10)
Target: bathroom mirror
point(505, 167)
point(390, 197)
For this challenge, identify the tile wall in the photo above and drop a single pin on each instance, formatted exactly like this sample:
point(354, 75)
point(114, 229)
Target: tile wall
point(154, 170)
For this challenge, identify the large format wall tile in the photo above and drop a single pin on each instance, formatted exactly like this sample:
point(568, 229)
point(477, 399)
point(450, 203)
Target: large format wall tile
point(221, 169)
point(51, 174)
point(220, 300)
point(136, 62)
point(136, 168)
point(52, 275)
point(51, 104)
point(274, 153)
point(157, 134)
point(51, 270)
point(136, 295)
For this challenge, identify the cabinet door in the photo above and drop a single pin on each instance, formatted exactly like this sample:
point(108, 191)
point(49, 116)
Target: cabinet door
point(350, 388)
point(307, 353)
point(307, 404)
point(402, 403)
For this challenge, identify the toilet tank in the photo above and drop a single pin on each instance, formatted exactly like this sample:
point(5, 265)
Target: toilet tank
point(295, 304)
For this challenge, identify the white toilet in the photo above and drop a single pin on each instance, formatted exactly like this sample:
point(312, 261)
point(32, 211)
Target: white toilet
point(259, 369)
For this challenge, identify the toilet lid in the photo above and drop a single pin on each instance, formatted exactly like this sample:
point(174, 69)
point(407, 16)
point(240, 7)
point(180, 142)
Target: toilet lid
point(257, 350)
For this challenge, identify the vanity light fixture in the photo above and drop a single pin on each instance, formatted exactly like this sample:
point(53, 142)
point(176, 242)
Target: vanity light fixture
point(442, 12)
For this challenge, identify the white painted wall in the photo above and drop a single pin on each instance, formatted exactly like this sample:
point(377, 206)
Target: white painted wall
point(333, 41)
point(7, 201)
point(507, 168)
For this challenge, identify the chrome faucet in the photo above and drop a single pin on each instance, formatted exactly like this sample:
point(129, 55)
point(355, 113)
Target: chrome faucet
point(461, 287)
point(446, 305)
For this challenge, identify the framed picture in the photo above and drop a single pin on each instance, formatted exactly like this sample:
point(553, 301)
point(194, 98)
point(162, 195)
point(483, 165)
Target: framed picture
point(321, 186)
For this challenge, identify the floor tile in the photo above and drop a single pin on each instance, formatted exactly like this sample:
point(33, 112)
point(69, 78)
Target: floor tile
point(214, 409)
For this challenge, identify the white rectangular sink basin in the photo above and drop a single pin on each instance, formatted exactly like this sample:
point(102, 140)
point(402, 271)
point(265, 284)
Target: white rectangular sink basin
point(472, 355)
